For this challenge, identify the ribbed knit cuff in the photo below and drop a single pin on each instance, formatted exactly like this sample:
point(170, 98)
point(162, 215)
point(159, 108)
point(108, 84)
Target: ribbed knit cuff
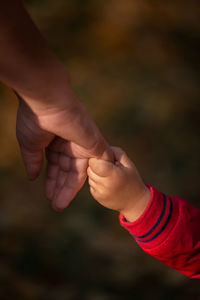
point(156, 222)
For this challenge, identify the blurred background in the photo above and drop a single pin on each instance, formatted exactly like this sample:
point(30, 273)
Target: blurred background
point(135, 66)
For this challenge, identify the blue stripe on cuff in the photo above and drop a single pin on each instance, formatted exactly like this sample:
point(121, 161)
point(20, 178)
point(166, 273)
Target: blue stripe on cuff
point(157, 222)
point(164, 226)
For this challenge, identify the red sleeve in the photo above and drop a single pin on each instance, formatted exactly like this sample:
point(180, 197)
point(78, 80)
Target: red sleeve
point(169, 230)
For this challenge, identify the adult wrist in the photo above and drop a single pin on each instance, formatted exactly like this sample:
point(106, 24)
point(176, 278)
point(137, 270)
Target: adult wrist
point(44, 83)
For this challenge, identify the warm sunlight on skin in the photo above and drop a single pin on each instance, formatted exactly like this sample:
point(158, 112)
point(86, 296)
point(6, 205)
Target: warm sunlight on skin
point(82, 139)
point(48, 108)
point(118, 185)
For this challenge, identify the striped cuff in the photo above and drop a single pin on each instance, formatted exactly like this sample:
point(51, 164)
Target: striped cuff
point(154, 225)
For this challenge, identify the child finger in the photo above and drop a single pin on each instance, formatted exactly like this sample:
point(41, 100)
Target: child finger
point(92, 191)
point(92, 183)
point(122, 157)
point(94, 176)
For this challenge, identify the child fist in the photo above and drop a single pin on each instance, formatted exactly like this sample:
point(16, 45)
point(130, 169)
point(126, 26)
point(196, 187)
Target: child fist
point(118, 185)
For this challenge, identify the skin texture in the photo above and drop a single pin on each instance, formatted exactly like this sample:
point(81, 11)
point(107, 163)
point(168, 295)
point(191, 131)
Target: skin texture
point(54, 134)
point(48, 110)
point(118, 185)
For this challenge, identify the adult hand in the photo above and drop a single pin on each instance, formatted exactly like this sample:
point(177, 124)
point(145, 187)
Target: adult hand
point(60, 130)
point(47, 106)
point(66, 172)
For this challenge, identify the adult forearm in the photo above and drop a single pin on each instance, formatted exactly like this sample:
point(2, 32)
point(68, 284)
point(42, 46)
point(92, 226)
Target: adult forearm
point(26, 63)
point(29, 67)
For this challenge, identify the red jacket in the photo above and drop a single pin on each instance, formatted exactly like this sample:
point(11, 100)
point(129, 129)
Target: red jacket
point(169, 230)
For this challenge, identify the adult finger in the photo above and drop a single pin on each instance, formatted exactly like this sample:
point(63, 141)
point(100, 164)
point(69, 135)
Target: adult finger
point(33, 161)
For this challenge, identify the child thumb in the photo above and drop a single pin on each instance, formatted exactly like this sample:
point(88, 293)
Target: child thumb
point(121, 157)
point(100, 167)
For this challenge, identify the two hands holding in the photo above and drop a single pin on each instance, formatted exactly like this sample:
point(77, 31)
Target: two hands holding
point(113, 179)
point(50, 119)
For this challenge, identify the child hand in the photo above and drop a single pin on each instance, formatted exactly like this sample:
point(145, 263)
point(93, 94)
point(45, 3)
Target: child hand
point(118, 185)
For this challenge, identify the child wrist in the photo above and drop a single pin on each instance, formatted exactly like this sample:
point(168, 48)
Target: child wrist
point(135, 209)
